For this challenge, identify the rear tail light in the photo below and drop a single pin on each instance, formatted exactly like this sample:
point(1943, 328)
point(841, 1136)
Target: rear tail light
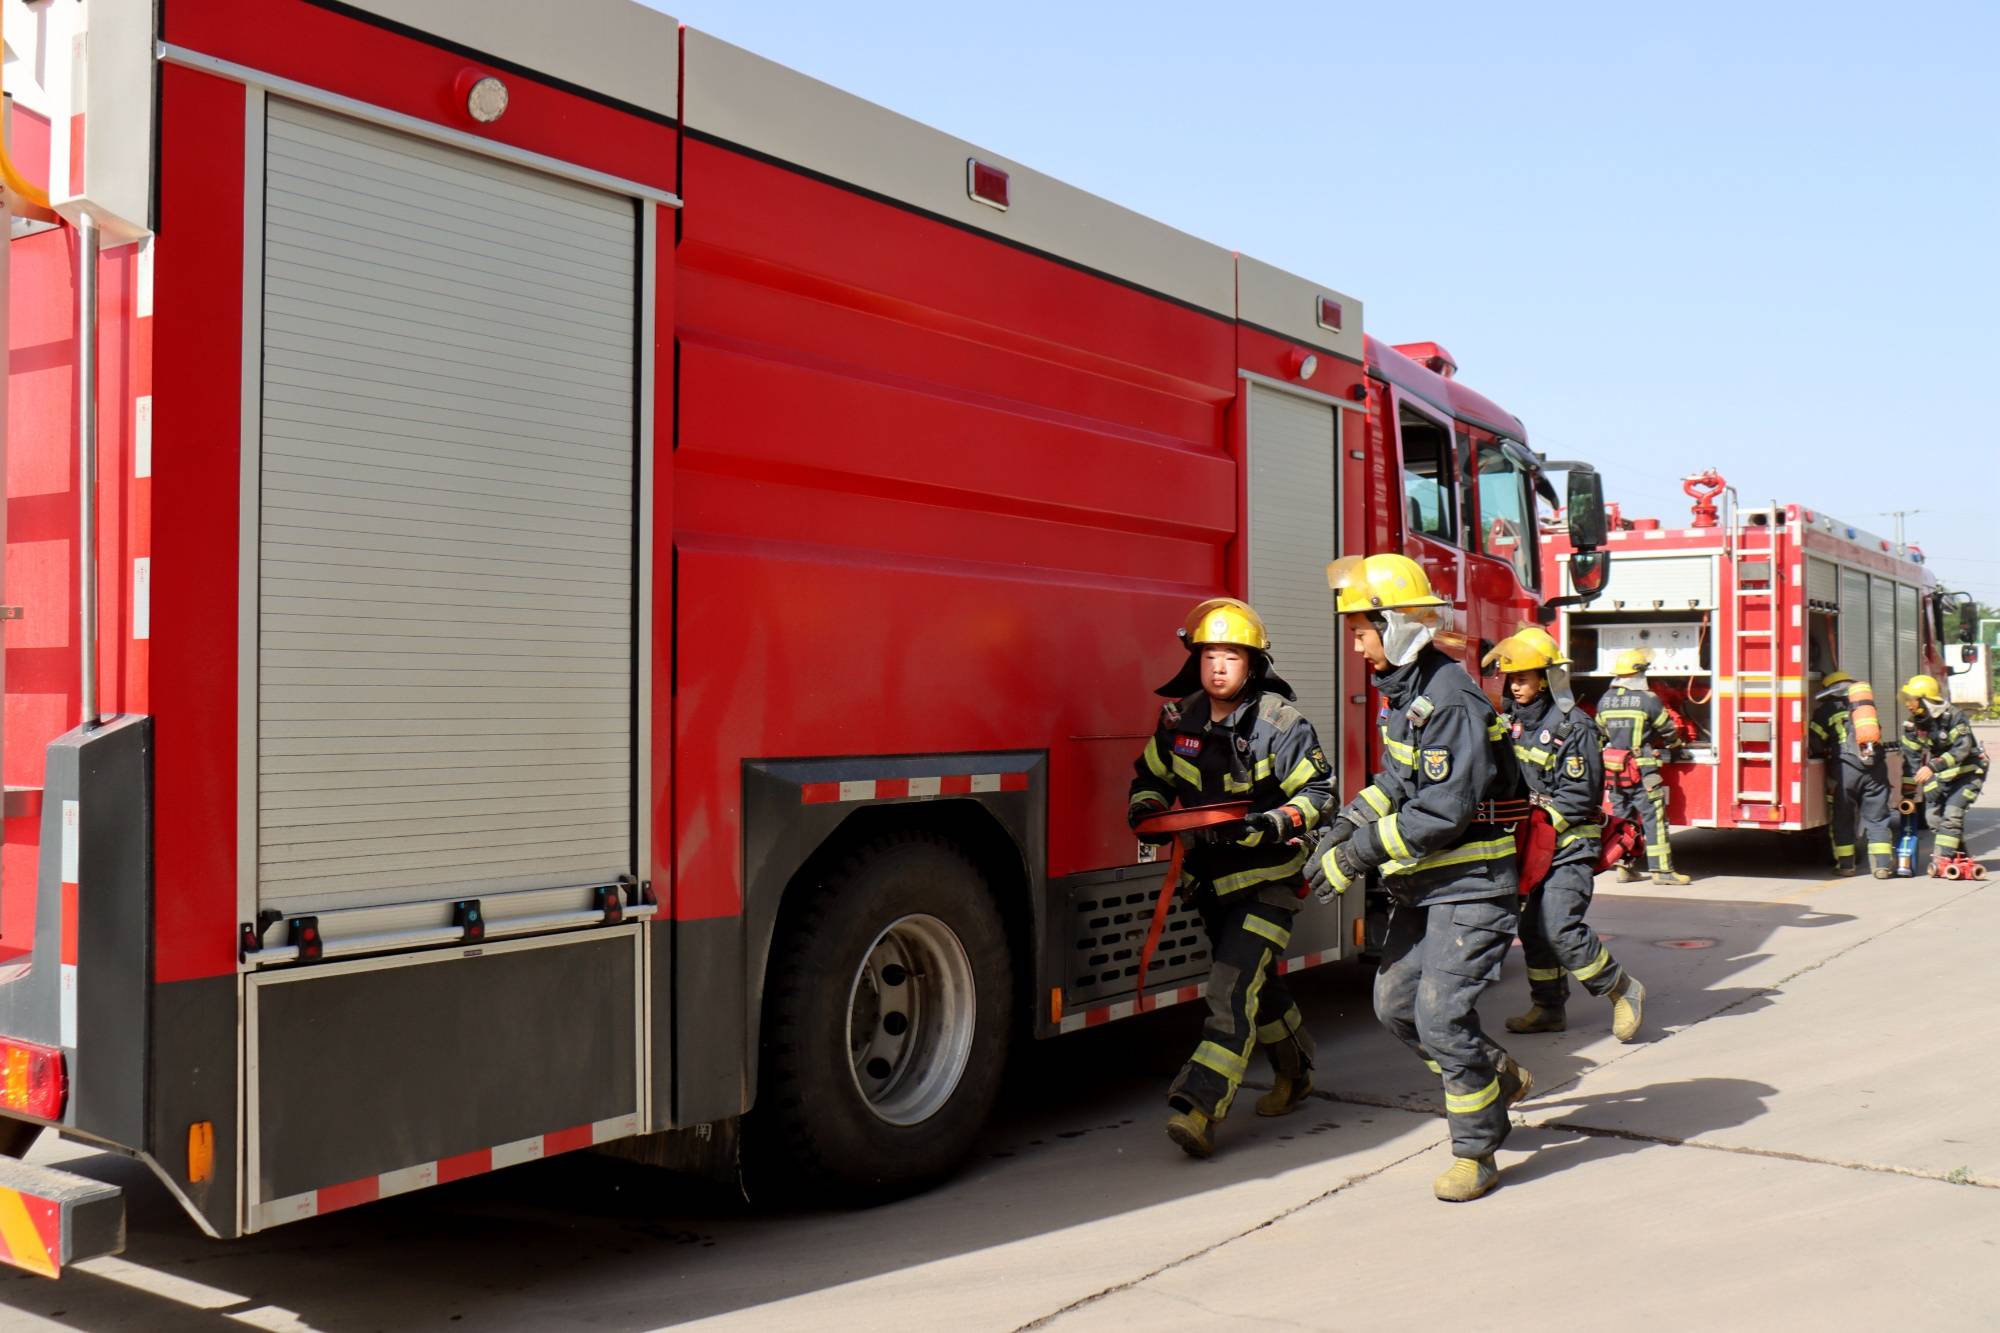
point(32, 1079)
point(1329, 314)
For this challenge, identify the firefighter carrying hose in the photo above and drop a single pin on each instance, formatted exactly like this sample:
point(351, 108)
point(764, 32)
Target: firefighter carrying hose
point(1230, 733)
point(1846, 733)
point(1557, 749)
point(1949, 763)
point(1636, 728)
point(1426, 825)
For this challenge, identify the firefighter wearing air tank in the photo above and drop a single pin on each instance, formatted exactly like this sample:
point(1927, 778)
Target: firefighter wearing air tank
point(1637, 728)
point(1229, 733)
point(1557, 749)
point(1947, 764)
point(1426, 825)
point(1847, 735)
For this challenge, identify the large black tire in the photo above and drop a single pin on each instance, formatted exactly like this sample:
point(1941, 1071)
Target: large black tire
point(815, 1133)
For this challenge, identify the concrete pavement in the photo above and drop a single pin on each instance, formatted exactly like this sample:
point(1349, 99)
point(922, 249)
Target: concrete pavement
point(1805, 1137)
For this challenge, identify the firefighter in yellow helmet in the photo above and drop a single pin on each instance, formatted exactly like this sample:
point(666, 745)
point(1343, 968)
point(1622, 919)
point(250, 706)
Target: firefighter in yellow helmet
point(1229, 732)
point(1557, 748)
point(1945, 762)
point(1426, 826)
point(1845, 732)
point(1637, 729)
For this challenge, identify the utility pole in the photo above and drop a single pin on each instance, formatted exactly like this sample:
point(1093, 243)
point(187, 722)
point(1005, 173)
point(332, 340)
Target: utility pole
point(1899, 515)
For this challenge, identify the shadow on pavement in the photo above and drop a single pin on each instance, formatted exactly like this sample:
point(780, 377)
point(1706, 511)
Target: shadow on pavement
point(1678, 1111)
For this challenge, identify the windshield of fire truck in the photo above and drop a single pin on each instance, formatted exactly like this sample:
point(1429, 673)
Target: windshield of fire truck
point(1506, 513)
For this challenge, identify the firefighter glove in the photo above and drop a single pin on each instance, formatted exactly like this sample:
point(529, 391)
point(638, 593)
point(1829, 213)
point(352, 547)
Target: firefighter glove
point(1339, 831)
point(1330, 870)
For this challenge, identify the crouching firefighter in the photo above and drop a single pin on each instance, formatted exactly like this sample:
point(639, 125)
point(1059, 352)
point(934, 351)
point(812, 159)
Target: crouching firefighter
point(1949, 763)
point(1425, 824)
point(1556, 746)
point(1228, 734)
point(1637, 729)
point(1847, 735)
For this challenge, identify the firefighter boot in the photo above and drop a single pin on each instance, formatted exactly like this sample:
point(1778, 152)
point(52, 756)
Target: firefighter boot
point(1468, 1178)
point(1539, 1018)
point(1287, 1092)
point(1193, 1131)
point(1628, 1008)
point(1627, 874)
point(1883, 872)
point(1670, 877)
point(1844, 869)
point(1515, 1082)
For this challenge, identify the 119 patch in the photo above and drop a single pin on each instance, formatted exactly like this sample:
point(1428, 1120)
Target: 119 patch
point(1573, 766)
point(1437, 765)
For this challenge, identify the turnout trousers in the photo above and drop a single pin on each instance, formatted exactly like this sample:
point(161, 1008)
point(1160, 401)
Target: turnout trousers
point(1648, 805)
point(1248, 1006)
point(1559, 944)
point(1435, 962)
point(1944, 810)
point(1860, 814)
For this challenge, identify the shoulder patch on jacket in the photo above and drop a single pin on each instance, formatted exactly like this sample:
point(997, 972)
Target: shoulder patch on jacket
point(1278, 712)
point(1574, 766)
point(1437, 764)
point(1318, 757)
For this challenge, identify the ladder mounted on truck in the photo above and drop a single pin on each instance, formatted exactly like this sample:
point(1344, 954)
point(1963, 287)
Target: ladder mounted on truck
point(1751, 551)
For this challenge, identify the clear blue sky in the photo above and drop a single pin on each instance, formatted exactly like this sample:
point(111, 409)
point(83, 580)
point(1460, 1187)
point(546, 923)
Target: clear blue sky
point(1759, 238)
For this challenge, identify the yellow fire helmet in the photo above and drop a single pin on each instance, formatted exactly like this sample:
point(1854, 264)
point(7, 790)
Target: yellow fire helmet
point(1385, 582)
point(1530, 648)
point(1226, 620)
point(1632, 662)
point(1832, 678)
point(1923, 687)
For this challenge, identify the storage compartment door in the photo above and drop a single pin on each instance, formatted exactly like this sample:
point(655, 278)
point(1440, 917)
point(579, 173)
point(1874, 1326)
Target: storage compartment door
point(1854, 638)
point(1882, 640)
point(1293, 444)
point(446, 493)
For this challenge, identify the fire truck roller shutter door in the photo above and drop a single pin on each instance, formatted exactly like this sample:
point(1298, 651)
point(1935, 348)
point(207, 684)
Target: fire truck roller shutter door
point(445, 558)
point(1294, 443)
point(1882, 638)
point(1855, 640)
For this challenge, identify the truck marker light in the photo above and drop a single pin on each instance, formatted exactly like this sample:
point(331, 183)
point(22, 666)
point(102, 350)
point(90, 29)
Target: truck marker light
point(485, 96)
point(986, 185)
point(201, 1151)
point(32, 1079)
point(1329, 314)
point(1304, 364)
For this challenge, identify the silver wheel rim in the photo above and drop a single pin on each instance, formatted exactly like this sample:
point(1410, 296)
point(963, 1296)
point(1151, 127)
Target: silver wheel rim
point(910, 1014)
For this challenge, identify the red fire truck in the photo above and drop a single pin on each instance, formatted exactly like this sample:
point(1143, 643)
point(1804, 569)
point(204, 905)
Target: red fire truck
point(578, 587)
point(1743, 610)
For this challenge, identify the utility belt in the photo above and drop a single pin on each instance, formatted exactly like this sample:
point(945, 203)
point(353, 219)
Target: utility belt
point(1505, 813)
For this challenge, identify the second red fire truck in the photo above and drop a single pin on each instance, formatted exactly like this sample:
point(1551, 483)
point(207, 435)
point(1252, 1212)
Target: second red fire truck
point(1744, 608)
point(577, 587)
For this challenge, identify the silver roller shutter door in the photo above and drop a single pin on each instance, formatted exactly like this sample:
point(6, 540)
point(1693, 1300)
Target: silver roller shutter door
point(1663, 583)
point(445, 627)
point(1882, 638)
point(1293, 445)
point(1908, 653)
point(1854, 625)
point(1821, 583)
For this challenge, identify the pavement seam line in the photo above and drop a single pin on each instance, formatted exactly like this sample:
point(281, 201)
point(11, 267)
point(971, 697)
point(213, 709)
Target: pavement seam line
point(1777, 1154)
point(1096, 1296)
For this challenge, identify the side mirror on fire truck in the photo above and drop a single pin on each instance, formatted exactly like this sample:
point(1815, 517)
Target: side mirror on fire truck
point(1588, 571)
point(1587, 530)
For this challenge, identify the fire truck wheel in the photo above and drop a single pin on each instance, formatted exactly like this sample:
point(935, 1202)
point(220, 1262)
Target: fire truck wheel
point(886, 1026)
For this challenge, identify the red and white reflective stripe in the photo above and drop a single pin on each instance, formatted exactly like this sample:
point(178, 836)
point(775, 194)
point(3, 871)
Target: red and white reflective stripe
point(332, 1198)
point(72, 828)
point(895, 789)
point(1111, 1013)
